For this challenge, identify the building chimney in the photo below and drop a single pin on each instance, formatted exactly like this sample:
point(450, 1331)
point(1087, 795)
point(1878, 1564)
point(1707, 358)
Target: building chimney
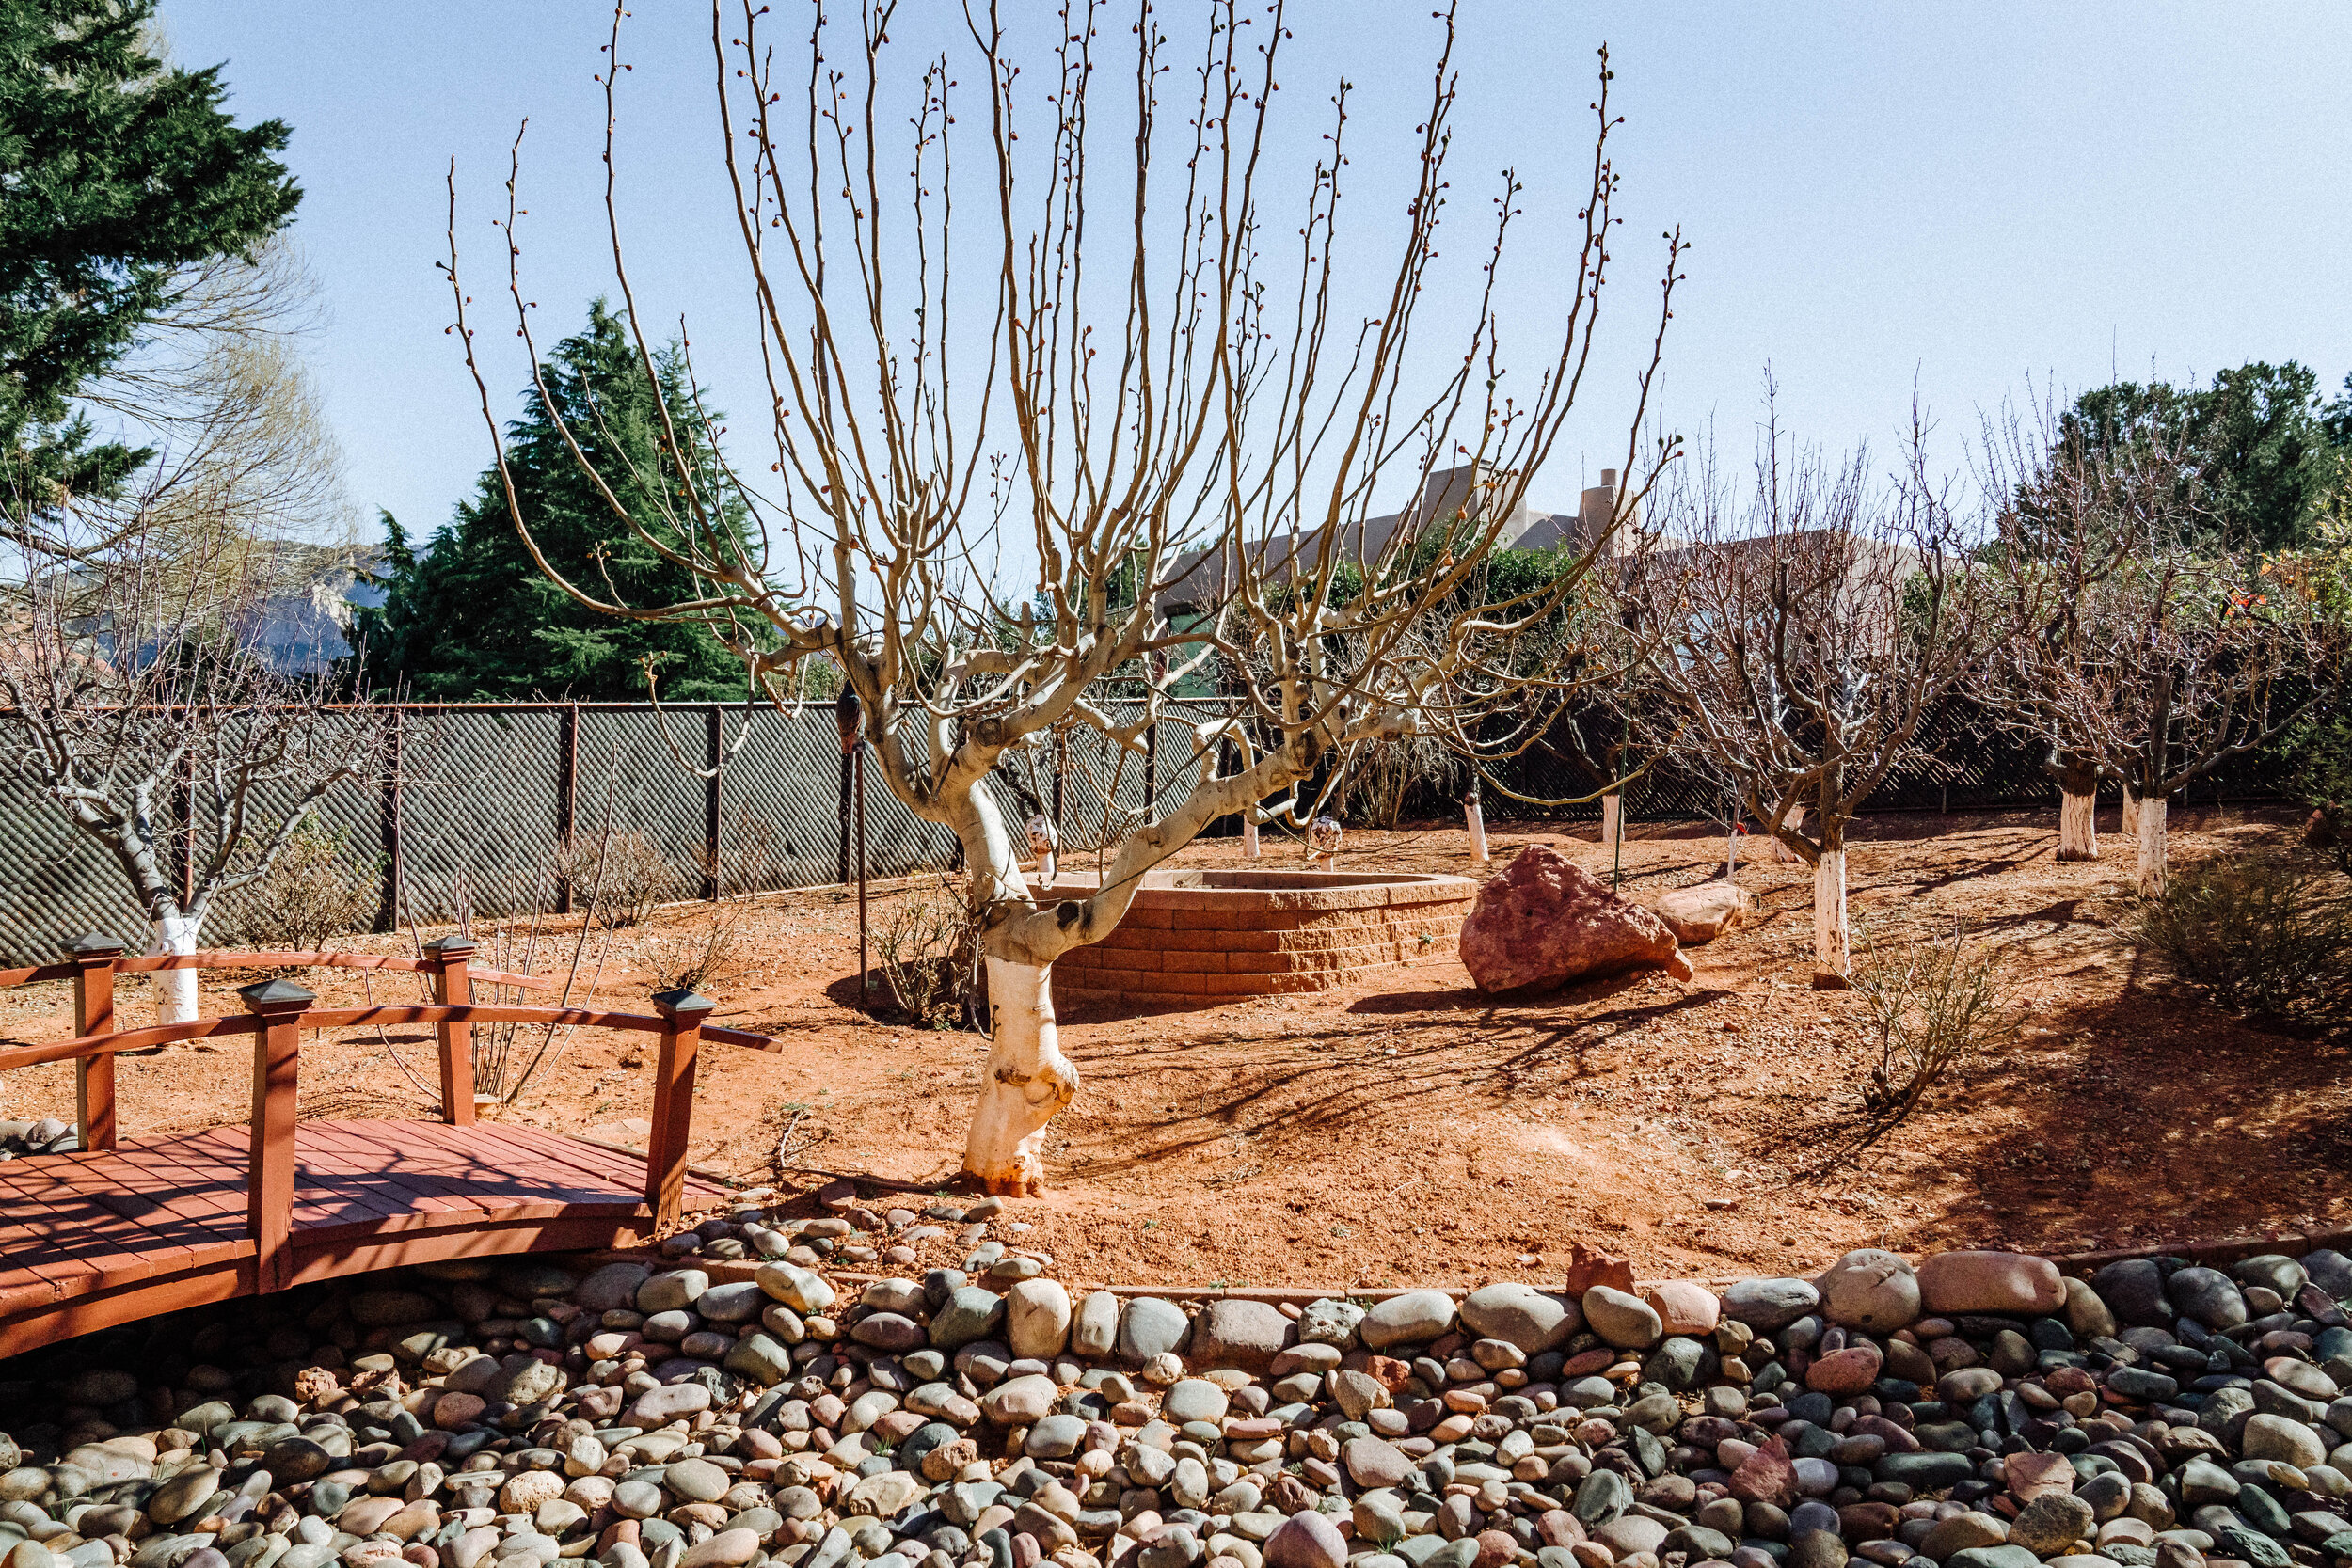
point(1593, 511)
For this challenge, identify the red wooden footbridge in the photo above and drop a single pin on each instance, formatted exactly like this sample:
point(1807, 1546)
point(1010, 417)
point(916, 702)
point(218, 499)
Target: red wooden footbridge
point(126, 1228)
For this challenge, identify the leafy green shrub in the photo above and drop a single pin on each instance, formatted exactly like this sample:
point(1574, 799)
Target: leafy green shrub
point(2263, 935)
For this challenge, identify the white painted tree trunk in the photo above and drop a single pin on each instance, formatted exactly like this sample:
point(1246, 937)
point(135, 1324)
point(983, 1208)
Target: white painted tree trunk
point(2078, 826)
point(1028, 1082)
point(2151, 868)
point(1249, 839)
point(1612, 824)
point(175, 988)
point(1477, 830)
point(2130, 812)
point(1832, 941)
point(1796, 825)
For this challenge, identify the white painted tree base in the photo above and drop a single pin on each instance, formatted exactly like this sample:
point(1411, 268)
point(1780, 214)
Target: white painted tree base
point(1795, 823)
point(1477, 832)
point(1832, 938)
point(175, 988)
point(1612, 823)
point(2078, 826)
point(1249, 839)
point(1027, 1083)
point(2152, 848)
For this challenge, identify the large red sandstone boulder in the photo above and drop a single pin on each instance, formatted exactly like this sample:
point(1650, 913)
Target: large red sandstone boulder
point(1545, 921)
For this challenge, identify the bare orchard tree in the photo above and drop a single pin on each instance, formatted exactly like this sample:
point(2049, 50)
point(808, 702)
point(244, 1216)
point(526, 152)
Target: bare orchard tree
point(138, 696)
point(2168, 661)
point(2129, 643)
point(1793, 646)
point(1029, 395)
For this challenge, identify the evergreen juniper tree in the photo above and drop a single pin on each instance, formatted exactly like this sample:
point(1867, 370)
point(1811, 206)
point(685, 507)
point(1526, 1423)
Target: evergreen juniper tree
point(470, 616)
point(116, 173)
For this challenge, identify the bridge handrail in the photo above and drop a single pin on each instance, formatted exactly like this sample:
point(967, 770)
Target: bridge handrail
point(385, 1015)
point(280, 1011)
point(84, 1047)
point(222, 957)
point(94, 961)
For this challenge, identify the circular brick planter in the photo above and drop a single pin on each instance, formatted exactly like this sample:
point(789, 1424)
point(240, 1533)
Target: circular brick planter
point(1198, 938)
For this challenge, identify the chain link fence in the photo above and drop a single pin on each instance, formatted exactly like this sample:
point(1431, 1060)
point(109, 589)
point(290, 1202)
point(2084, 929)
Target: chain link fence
point(483, 797)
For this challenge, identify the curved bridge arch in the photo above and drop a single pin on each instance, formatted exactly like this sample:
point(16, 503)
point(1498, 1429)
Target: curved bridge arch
point(121, 1229)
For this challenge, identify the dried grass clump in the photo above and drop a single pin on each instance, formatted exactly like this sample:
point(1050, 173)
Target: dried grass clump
point(619, 877)
point(315, 889)
point(928, 949)
point(2266, 936)
point(1932, 1009)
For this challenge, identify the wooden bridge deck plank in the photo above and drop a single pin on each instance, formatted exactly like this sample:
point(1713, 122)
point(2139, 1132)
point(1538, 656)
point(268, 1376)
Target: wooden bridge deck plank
point(73, 1225)
point(460, 1172)
point(521, 1149)
point(71, 1241)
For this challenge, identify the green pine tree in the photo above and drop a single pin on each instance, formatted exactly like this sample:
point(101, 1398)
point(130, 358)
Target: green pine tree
point(117, 172)
point(471, 617)
point(2262, 453)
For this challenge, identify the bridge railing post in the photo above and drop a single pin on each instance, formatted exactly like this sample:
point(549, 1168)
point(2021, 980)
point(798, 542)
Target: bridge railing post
point(453, 986)
point(93, 958)
point(682, 1014)
point(270, 1171)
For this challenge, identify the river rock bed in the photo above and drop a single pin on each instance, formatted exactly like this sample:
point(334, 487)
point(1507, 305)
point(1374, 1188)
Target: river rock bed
point(1977, 1411)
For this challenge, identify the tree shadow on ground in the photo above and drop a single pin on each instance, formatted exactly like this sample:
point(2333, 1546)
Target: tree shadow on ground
point(2149, 1114)
point(1360, 1069)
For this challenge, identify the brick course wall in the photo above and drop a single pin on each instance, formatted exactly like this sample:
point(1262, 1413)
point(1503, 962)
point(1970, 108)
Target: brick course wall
point(1218, 947)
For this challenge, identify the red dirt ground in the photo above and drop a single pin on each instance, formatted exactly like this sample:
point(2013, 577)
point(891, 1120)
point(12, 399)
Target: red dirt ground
point(1406, 1129)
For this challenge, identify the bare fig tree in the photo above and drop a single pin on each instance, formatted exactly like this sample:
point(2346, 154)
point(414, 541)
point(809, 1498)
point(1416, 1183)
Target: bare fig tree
point(2134, 642)
point(1048, 321)
point(1795, 631)
point(138, 691)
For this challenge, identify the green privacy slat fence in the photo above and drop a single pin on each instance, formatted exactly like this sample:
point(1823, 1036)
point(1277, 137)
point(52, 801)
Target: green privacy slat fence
point(488, 793)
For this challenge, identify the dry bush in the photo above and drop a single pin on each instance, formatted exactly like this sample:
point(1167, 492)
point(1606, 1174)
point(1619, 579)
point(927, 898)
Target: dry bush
point(2263, 935)
point(1386, 776)
point(619, 876)
point(312, 891)
point(1931, 1010)
point(928, 948)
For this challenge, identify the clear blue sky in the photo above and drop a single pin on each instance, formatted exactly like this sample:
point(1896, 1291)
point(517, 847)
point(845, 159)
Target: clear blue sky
point(1960, 198)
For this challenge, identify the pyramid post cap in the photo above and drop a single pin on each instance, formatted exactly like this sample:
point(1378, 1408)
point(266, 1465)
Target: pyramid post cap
point(677, 1004)
point(271, 996)
point(91, 945)
point(451, 945)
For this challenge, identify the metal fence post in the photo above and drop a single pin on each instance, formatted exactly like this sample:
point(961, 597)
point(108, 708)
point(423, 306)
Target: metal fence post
point(567, 797)
point(389, 804)
point(715, 739)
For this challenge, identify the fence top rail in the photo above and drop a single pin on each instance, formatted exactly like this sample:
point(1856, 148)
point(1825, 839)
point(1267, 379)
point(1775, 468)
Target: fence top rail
point(225, 958)
point(361, 1018)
